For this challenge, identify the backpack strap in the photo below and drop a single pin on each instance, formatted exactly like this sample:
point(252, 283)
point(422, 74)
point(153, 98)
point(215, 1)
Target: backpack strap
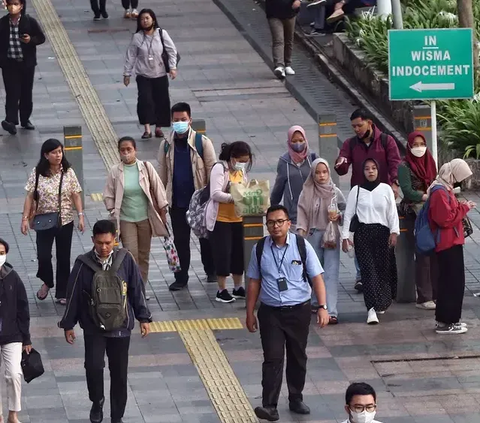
point(166, 146)
point(119, 257)
point(199, 144)
point(259, 252)
point(87, 260)
point(384, 140)
point(302, 249)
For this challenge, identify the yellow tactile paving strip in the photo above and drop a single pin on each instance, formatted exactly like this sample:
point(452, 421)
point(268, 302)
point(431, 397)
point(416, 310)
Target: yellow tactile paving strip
point(224, 389)
point(88, 101)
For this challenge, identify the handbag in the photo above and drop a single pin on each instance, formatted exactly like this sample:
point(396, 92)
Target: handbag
point(165, 54)
point(467, 227)
point(43, 222)
point(171, 253)
point(355, 223)
point(32, 365)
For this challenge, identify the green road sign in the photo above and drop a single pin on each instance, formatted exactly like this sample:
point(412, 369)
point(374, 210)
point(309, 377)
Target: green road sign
point(430, 64)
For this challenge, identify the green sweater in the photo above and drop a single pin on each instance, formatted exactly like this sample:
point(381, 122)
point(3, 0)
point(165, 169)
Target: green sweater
point(405, 181)
point(135, 202)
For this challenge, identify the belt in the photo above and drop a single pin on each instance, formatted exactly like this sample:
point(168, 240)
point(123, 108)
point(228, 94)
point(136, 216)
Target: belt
point(287, 307)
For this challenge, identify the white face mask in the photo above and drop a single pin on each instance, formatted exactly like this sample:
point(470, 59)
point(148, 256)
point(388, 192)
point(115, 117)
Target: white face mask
point(240, 166)
point(126, 158)
point(418, 151)
point(3, 259)
point(363, 417)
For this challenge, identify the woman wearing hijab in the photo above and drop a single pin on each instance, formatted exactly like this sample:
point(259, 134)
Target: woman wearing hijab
point(415, 175)
point(445, 215)
point(292, 171)
point(373, 206)
point(320, 203)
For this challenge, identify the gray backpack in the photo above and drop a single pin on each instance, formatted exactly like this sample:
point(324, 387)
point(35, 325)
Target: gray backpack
point(108, 299)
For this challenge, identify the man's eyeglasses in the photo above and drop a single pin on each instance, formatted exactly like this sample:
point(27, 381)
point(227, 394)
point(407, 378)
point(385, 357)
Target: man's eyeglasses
point(357, 408)
point(275, 223)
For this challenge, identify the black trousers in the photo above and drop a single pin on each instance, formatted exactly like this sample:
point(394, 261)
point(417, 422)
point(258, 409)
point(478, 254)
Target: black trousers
point(181, 236)
point(280, 328)
point(426, 277)
point(130, 4)
point(117, 352)
point(18, 80)
point(228, 252)
point(63, 242)
point(451, 285)
point(98, 6)
point(153, 104)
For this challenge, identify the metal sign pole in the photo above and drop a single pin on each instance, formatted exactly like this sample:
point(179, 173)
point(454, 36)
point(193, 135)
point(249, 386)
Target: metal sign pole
point(73, 147)
point(433, 107)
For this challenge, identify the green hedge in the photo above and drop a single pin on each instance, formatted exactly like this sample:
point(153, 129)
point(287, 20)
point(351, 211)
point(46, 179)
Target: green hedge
point(459, 119)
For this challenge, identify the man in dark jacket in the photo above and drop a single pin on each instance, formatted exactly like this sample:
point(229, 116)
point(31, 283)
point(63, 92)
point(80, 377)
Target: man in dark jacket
point(14, 330)
point(281, 18)
point(97, 341)
point(20, 34)
point(368, 143)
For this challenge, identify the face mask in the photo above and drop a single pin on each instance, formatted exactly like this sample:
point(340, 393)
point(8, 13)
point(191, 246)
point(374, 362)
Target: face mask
point(127, 158)
point(3, 259)
point(366, 135)
point(240, 166)
point(180, 127)
point(418, 151)
point(363, 417)
point(298, 147)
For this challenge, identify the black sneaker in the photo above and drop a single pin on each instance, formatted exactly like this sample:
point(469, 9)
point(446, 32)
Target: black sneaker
point(224, 297)
point(96, 412)
point(239, 293)
point(316, 33)
point(28, 125)
point(97, 18)
point(267, 413)
point(104, 14)
point(9, 127)
point(177, 286)
point(452, 329)
point(212, 278)
point(359, 286)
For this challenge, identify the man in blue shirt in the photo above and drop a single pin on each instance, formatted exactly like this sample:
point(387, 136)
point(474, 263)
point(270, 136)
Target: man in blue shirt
point(285, 310)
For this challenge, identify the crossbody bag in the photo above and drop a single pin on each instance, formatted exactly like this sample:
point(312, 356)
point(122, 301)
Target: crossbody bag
point(45, 221)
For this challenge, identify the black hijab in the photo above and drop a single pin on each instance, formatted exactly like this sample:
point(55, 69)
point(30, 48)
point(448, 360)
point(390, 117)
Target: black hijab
point(370, 185)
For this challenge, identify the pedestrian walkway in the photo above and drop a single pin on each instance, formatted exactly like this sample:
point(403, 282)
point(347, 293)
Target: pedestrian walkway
point(229, 85)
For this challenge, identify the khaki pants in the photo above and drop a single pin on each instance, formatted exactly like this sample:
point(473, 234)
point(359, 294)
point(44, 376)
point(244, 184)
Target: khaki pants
point(11, 354)
point(137, 238)
point(283, 31)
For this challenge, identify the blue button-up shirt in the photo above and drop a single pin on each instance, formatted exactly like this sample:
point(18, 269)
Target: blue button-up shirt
point(291, 269)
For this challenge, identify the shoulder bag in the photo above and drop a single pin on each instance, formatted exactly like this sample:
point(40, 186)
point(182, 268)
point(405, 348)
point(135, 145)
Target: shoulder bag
point(43, 222)
point(355, 223)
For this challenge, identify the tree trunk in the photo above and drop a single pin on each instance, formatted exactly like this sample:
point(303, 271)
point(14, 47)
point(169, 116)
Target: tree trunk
point(466, 20)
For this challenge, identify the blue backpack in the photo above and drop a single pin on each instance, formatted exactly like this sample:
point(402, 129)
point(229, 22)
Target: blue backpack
point(425, 239)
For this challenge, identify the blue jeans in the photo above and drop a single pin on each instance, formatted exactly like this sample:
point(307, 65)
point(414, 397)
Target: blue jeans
point(330, 260)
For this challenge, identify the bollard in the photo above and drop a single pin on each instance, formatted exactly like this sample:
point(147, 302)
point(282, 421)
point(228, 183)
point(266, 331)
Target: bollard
point(405, 255)
point(328, 141)
point(73, 146)
point(252, 233)
point(199, 125)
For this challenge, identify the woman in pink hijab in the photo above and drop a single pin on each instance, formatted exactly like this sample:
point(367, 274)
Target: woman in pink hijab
point(293, 170)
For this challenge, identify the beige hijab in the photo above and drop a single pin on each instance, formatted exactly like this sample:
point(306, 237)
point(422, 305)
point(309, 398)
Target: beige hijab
point(451, 173)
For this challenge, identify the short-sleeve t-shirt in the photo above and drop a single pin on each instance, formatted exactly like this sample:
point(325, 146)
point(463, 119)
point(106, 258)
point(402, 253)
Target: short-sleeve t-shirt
point(226, 211)
point(48, 189)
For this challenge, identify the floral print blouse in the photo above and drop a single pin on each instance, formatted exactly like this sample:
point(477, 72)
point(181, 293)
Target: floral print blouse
point(48, 193)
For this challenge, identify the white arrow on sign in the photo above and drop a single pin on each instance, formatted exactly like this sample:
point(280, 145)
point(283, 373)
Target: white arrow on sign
point(419, 86)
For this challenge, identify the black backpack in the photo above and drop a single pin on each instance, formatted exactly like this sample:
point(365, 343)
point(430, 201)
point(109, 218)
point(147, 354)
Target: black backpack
point(108, 299)
point(302, 249)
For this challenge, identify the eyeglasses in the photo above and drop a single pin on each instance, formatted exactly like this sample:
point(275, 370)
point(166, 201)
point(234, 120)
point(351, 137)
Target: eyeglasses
point(357, 408)
point(274, 223)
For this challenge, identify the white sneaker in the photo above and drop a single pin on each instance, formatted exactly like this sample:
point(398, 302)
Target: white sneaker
point(428, 305)
point(453, 329)
point(372, 318)
point(128, 14)
point(289, 70)
point(442, 325)
point(279, 72)
point(134, 14)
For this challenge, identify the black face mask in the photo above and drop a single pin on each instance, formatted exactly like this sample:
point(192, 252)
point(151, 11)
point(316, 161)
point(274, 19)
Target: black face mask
point(457, 185)
point(366, 135)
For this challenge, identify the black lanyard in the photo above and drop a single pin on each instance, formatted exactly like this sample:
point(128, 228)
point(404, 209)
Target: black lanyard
point(279, 267)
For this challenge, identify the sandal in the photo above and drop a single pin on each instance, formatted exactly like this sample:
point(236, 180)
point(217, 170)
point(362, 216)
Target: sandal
point(333, 320)
point(146, 135)
point(159, 133)
point(42, 293)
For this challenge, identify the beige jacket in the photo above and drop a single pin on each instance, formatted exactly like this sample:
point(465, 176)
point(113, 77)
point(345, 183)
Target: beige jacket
point(200, 168)
point(150, 183)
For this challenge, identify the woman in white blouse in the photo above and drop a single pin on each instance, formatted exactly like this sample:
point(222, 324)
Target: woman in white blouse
point(372, 214)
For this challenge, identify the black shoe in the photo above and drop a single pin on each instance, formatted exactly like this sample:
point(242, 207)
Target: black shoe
point(359, 286)
point(96, 412)
point(267, 413)
point(97, 17)
point(239, 293)
point(28, 125)
point(299, 407)
point(117, 421)
point(9, 127)
point(224, 297)
point(177, 286)
point(212, 278)
point(104, 14)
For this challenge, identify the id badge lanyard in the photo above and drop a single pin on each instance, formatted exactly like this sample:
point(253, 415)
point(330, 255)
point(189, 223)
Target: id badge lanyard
point(279, 266)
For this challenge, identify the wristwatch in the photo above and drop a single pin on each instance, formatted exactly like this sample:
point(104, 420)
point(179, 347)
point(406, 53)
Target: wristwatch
point(324, 306)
